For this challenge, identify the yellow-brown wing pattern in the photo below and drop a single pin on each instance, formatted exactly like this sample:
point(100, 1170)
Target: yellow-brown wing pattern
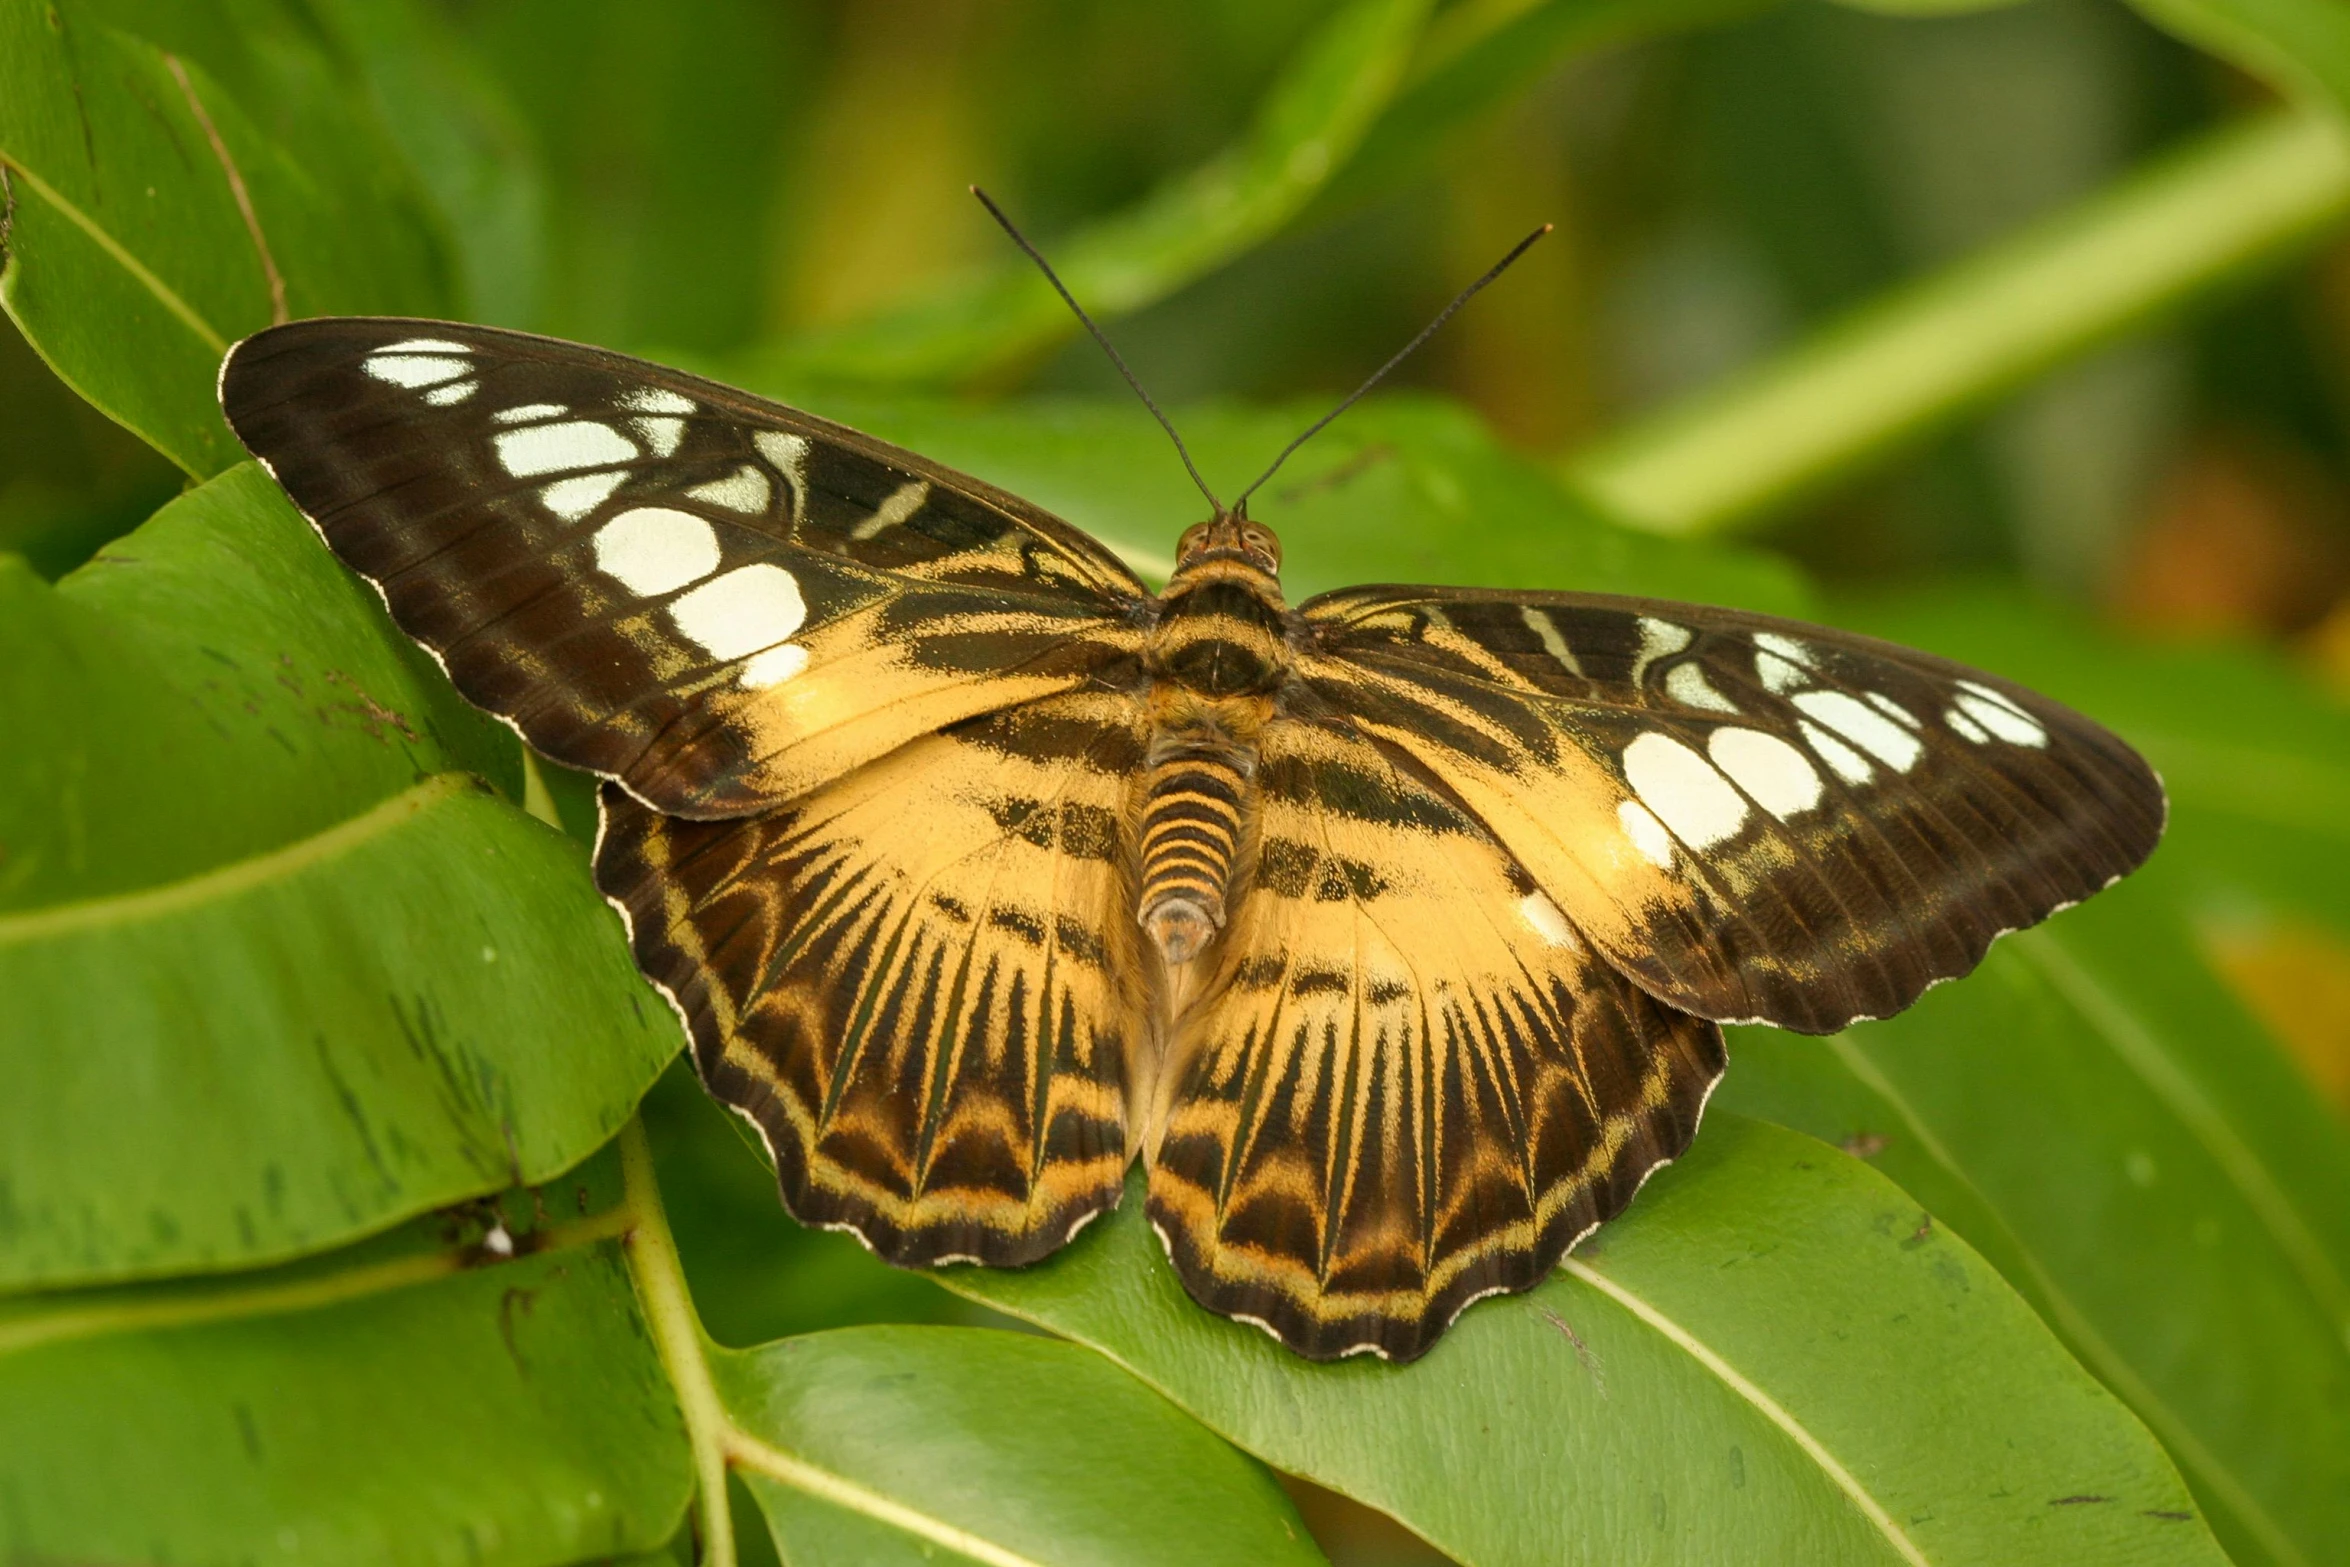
point(921, 981)
point(1408, 1082)
point(1753, 818)
point(715, 599)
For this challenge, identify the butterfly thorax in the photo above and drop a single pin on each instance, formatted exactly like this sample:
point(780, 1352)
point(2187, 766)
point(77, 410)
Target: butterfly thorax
point(1217, 654)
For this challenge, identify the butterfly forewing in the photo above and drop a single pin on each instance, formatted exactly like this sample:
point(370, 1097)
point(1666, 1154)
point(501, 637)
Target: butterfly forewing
point(1755, 819)
point(720, 601)
point(1409, 1082)
point(922, 981)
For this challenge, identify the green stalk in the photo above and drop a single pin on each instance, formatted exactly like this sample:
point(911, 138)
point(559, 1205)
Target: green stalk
point(677, 1334)
point(1938, 347)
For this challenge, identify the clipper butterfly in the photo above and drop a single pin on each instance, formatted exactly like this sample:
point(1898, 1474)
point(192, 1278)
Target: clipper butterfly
point(1392, 930)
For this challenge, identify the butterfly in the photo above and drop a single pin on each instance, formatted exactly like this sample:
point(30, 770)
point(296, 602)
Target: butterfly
point(1391, 930)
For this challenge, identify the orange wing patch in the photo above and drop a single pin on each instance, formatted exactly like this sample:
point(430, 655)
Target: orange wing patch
point(922, 982)
point(1409, 1081)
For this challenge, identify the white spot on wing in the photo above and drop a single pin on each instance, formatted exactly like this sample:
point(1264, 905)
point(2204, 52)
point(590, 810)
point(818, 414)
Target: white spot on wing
point(414, 370)
point(656, 400)
point(553, 448)
point(662, 435)
point(1864, 726)
point(1967, 728)
point(895, 508)
point(1998, 712)
point(1658, 639)
point(1893, 710)
point(1683, 789)
point(1847, 763)
point(1546, 631)
point(653, 549)
point(773, 666)
point(529, 413)
point(425, 345)
point(1687, 685)
point(745, 490)
point(1648, 835)
point(572, 499)
point(1780, 778)
point(1543, 917)
point(451, 395)
point(1780, 645)
point(789, 453)
point(738, 614)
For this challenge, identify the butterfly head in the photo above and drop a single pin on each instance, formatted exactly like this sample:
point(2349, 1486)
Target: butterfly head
point(1224, 541)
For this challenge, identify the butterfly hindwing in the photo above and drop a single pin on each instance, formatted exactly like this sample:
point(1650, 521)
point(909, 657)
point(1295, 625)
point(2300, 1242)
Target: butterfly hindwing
point(1408, 1081)
point(921, 981)
point(1755, 819)
point(715, 599)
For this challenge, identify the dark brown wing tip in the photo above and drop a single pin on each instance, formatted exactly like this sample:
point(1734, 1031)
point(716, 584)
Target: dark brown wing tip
point(2137, 815)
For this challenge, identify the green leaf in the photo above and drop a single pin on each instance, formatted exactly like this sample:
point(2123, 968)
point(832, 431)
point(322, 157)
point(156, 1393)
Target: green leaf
point(1775, 1356)
point(466, 142)
point(2097, 1114)
point(1306, 129)
point(756, 1273)
point(315, 977)
point(1403, 489)
point(1474, 60)
point(152, 223)
point(2299, 46)
point(897, 1444)
point(407, 1401)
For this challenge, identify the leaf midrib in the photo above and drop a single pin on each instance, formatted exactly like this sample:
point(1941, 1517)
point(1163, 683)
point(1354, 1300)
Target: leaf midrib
point(165, 295)
point(1770, 1408)
point(2106, 1362)
point(79, 1317)
point(238, 877)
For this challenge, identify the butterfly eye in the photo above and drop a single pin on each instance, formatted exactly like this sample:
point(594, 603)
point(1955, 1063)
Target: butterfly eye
point(1193, 538)
point(1260, 542)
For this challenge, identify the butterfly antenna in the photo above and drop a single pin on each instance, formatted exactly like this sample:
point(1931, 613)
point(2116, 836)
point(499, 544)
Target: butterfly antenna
point(1061, 288)
point(1240, 507)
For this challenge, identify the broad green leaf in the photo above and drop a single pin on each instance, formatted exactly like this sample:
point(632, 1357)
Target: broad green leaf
point(275, 969)
point(1403, 489)
point(901, 1444)
point(1308, 126)
point(410, 1400)
point(376, 95)
point(2125, 1144)
point(154, 223)
point(2300, 46)
point(1775, 1356)
point(2104, 1121)
point(467, 144)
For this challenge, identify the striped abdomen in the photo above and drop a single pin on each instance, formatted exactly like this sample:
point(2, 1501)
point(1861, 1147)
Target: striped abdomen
point(1191, 825)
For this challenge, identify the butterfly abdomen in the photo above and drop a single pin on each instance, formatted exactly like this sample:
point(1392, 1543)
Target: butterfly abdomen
point(1195, 805)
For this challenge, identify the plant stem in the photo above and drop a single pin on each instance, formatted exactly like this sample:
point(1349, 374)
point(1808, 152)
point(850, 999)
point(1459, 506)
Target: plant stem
point(1931, 350)
point(677, 1334)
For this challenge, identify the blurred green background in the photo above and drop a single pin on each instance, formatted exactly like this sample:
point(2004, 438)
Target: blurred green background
point(715, 177)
